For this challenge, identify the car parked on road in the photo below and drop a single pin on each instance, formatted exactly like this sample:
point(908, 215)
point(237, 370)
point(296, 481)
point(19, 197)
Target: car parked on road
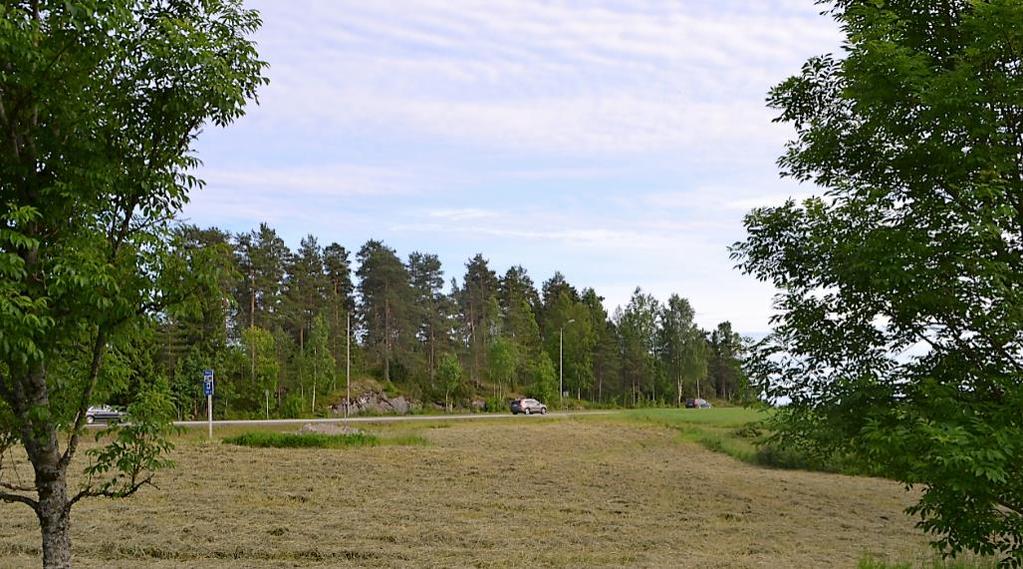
point(104, 414)
point(528, 406)
point(697, 404)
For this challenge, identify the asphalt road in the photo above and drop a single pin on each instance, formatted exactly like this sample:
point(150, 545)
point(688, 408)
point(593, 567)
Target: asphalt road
point(384, 419)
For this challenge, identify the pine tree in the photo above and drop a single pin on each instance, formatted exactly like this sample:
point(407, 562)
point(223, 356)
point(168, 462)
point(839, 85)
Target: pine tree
point(519, 300)
point(385, 308)
point(725, 366)
point(480, 313)
point(341, 302)
point(262, 259)
point(306, 288)
point(431, 308)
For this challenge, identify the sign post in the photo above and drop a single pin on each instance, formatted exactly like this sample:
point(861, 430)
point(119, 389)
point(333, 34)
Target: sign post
point(207, 387)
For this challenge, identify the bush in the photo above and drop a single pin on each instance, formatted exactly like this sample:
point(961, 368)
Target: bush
point(497, 404)
point(775, 456)
point(262, 439)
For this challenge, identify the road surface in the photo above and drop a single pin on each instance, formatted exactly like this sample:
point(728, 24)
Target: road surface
point(380, 419)
point(376, 419)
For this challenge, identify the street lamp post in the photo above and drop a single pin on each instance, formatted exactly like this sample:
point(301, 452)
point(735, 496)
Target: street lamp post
point(348, 366)
point(561, 365)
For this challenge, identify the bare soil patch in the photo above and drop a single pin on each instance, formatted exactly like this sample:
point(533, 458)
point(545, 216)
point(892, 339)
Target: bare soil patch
point(551, 493)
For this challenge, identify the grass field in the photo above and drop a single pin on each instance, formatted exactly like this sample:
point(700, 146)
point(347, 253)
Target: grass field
point(614, 491)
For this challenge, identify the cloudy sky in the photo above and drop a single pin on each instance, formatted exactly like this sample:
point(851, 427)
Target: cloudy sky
point(620, 142)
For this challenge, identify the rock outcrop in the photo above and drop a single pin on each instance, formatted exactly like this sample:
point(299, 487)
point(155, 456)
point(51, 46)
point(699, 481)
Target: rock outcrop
point(376, 403)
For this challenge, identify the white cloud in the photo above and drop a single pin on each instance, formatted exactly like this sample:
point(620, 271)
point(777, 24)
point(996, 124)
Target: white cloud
point(553, 77)
point(462, 214)
point(616, 140)
point(332, 180)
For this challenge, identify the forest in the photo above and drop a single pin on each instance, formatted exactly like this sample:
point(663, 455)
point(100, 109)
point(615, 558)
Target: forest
point(277, 326)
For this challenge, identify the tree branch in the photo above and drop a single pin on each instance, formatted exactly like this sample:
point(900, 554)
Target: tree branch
point(5, 393)
point(83, 403)
point(16, 488)
point(105, 493)
point(18, 498)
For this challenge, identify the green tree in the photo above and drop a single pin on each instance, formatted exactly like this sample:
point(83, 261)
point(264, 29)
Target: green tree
point(900, 335)
point(725, 368)
point(194, 335)
point(317, 360)
point(637, 326)
point(569, 333)
point(185, 385)
point(545, 379)
point(265, 371)
point(518, 300)
point(204, 323)
point(306, 288)
point(606, 355)
point(682, 346)
point(262, 258)
point(451, 377)
point(431, 307)
point(504, 362)
point(480, 313)
point(339, 276)
point(101, 102)
point(386, 307)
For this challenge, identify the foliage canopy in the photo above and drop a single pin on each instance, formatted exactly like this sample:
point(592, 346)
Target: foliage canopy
point(900, 334)
point(99, 105)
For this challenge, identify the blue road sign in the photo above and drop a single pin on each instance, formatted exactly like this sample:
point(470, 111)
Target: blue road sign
point(207, 382)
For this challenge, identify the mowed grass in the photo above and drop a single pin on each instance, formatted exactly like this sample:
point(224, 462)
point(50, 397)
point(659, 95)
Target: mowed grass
point(529, 491)
point(936, 564)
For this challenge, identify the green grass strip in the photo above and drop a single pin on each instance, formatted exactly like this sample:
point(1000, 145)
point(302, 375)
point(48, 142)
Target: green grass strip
point(263, 439)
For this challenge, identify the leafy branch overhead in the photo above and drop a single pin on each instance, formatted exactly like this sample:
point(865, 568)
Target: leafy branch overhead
point(100, 103)
point(900, 332)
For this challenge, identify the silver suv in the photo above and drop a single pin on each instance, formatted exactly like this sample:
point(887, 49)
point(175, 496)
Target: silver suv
point(528, 407)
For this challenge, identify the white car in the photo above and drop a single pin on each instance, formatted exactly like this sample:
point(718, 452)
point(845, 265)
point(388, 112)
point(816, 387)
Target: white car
point(103, 413)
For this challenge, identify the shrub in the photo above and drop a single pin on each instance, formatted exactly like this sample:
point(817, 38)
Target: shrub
point(262, 439)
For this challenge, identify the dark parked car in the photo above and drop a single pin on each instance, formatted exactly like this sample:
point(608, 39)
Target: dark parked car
point(103, 413)
point(528, 407)
point(697, 404)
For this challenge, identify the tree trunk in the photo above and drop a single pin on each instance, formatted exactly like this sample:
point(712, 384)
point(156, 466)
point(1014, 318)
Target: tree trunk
point(53, 509)
point(433, 355)
point(54, 520)
point(387, 338)
point(43, 449)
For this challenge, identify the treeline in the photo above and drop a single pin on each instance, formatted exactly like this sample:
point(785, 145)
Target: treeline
point(273, 323)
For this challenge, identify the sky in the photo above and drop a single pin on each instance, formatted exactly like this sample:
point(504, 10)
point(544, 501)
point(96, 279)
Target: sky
point(620, 142)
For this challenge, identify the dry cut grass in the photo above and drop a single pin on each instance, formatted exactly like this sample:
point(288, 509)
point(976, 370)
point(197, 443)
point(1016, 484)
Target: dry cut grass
point(529, 492)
